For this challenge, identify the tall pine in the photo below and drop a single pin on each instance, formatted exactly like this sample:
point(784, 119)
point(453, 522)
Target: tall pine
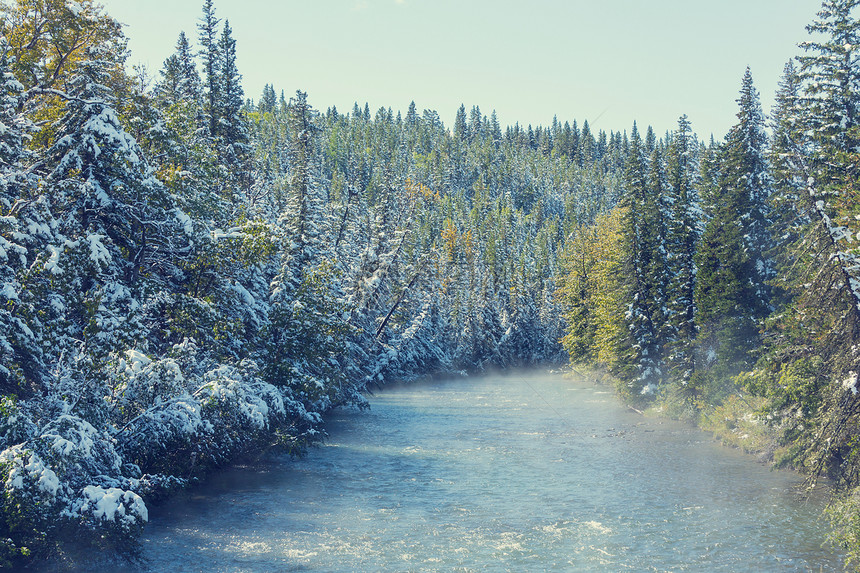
point(644, 234)
point(681, 242)
point(732, 294)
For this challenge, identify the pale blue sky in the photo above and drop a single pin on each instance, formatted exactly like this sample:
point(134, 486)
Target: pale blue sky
point(608, 61)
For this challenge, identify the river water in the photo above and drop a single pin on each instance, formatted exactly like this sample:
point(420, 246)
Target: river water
point(515, 472)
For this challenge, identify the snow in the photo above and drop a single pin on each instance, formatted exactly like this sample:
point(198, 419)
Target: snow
point(101, 195)
point(98, 252)
point(35, 469)
point(648, 389)
point(111, 504)
point(218, 234)
point(35, 228)
point(48, 481)
point(225, 384)
point(246, 296)
point(850, 383)
point(70, 435)
point(52, 265)
point(138, 361)
point(9, 291)
point(185, 221)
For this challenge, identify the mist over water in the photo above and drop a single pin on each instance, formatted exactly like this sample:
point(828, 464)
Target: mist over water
point(528, 472)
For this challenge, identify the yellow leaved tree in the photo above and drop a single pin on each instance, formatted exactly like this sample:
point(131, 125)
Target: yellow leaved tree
point(591, 291)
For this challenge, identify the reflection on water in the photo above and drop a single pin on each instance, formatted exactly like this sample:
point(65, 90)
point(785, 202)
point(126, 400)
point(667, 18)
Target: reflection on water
point(501, 473)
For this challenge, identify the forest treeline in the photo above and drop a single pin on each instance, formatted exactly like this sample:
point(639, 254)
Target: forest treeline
point(189, 276)
point(725, 284)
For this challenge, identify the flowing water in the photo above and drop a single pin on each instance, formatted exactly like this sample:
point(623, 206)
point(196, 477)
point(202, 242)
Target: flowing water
point(523, 472)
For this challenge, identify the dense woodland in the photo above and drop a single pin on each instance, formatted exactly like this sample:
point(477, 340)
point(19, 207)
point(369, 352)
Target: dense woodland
point(191, 276)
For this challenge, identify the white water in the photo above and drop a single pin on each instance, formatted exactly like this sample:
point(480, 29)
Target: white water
point(500, 473)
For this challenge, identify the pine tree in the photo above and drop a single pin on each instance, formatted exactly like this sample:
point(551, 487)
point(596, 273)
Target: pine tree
point(644, 268)
point(180, 81)
point(682, 239)
point(302, 219)
point(22, 363)
point(832, 77)
point(234, 149)
point(732, 295)
point(212, 84)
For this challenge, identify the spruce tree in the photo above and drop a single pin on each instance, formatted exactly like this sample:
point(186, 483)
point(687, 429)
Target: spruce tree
point(644, 268)
point(732, 294)
point(682, 239)
point(306, 336)
point(233, 146)
point(302, 218)
point(831, 76)
point(22, 362)
point(475, 124)
point(268, 100)
point(788, 153)
point(209, 50)
point(585, 145)
point(461, 130)
point(180, 81)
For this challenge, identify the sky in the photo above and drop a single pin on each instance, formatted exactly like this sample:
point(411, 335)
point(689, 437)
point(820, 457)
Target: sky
point(609, 62)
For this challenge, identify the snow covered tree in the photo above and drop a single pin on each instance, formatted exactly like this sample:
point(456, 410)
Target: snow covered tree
point(180, 81)
point(732, 294)
point(234, 150)
point(809, 368)
point(682, 238)
point(307, 333)
point(48, 38)
point(789, 151)
point(831, 75)
point(644, 267)
point(117, 228)
point(209, 50)
point(461, 130)
point(21, 361)
point(303, 218)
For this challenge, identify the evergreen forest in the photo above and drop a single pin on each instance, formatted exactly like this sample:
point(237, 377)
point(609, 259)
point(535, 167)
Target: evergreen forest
point(190, 275)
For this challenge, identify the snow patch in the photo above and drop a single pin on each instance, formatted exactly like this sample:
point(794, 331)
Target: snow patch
point(648, 389)
point(137, 361)
point(185, 221)
point(850, 383)
point(9, 291)
point(114, 504)
point(98, 252)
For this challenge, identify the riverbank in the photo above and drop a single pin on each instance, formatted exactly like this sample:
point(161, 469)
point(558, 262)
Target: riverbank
point(518, 471)
point(738, 422)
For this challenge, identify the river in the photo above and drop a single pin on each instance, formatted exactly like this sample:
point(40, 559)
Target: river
point(513, 472)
